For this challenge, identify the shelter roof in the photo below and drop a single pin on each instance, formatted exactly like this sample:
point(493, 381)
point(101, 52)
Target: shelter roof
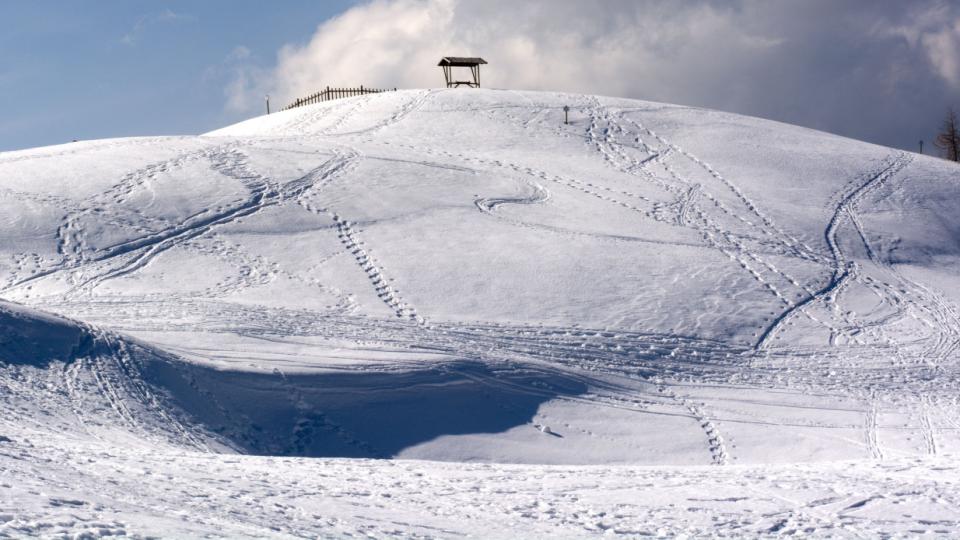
point(461, 61)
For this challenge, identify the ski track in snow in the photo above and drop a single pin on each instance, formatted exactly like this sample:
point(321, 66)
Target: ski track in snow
point(878, 390)
point(840, 266)
point(715, 234)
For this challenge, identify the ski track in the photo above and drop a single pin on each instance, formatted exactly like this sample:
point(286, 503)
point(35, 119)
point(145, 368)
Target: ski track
point(538, 195)
point(132, 255)
point(411, 106)
point(686, 191)
point(840, 266)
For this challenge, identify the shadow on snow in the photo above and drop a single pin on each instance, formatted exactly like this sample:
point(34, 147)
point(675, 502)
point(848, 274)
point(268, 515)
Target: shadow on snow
point(368, 414)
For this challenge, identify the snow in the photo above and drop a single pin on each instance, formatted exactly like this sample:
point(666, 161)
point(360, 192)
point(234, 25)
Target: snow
point(445, 312)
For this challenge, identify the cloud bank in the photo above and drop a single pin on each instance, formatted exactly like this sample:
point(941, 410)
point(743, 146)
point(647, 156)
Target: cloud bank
point(879, 70)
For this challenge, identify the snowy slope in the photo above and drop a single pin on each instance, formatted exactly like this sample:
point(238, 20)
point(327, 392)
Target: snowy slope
point(460, 276)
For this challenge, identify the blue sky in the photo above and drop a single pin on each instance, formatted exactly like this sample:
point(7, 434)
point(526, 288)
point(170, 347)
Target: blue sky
point(883, 71)
point(109, 68)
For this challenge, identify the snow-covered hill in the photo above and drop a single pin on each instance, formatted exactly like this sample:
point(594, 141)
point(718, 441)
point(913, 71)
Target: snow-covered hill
point(460, 276)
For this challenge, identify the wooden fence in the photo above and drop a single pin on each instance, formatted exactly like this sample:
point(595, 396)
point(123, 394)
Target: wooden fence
point(335, 93)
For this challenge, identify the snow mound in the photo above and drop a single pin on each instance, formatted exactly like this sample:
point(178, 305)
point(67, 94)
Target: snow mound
point(443, 274)
point(459, 275)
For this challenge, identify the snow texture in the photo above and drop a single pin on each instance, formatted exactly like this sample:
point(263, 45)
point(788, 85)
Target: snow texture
point(438, 313)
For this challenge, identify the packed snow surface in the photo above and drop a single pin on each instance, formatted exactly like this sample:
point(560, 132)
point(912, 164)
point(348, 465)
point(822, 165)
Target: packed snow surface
point(441, 313)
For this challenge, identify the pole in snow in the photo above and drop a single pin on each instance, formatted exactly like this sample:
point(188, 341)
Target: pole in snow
point(566, 113)
point(268, 103)
point(921, 146)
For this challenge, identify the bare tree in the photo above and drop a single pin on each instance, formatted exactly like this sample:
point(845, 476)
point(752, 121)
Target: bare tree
point(948, 139)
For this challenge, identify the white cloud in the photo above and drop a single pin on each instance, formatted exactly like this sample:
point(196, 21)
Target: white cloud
point(943, 48)
point(934, 28)
point(380, 44)
point(247, 82)
point(238, 54)
point(165, 16)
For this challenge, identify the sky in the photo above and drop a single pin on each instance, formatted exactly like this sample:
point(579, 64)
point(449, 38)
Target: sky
point(883, 71)
point(115, 68)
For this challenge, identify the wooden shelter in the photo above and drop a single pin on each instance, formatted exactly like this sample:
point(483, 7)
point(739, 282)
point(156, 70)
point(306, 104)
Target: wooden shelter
point(450, 62)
